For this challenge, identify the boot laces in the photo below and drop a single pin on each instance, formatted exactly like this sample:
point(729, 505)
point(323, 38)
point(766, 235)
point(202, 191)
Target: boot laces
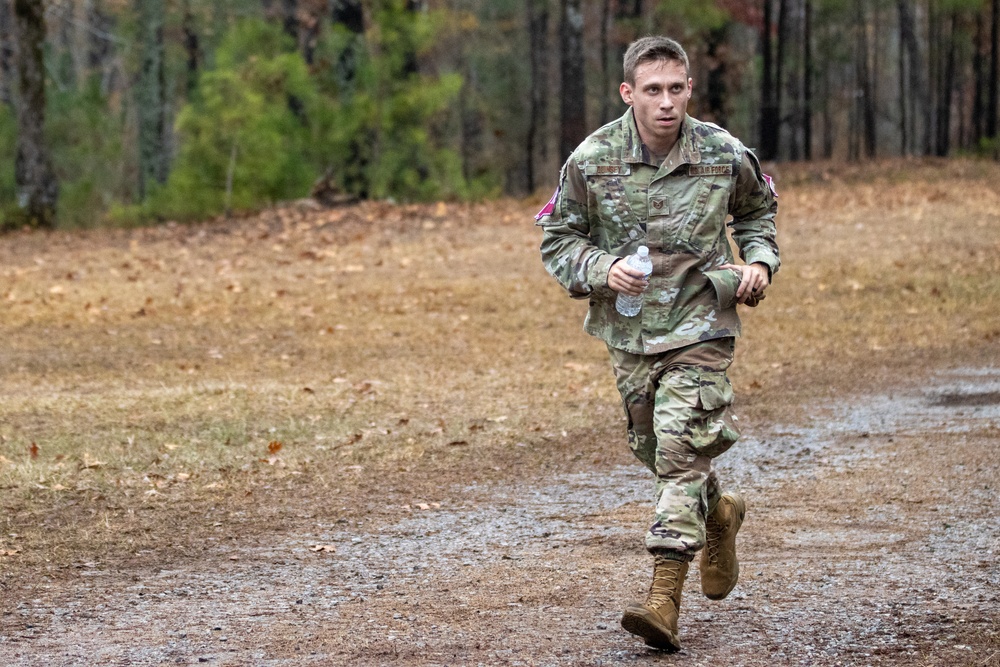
point(660, 595)
point(713, 536)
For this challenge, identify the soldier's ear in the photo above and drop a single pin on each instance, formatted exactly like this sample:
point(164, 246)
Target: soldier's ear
point(626, 92)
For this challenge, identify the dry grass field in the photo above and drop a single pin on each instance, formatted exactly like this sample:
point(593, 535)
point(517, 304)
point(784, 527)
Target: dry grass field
point(174, 398)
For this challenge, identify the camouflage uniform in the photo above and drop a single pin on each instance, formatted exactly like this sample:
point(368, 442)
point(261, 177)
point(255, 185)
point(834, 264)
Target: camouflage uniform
point(670, 361)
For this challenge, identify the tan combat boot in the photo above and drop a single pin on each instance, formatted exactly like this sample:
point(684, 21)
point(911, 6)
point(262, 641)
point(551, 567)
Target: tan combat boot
point(655, 620)
point(720, 570)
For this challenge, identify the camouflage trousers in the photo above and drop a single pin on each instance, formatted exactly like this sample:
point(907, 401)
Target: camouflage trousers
point(679, 419)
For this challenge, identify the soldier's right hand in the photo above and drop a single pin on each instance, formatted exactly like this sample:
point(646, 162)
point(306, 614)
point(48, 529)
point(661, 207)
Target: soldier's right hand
point(627, 279)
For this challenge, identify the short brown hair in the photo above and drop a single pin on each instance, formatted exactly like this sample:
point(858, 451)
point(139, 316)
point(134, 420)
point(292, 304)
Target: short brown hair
point(649, 49)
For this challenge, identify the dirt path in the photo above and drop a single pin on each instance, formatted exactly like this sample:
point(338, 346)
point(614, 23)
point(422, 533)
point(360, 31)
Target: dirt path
point(872, 539)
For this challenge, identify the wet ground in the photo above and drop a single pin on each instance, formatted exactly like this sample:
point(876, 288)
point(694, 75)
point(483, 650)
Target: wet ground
point(871, 539)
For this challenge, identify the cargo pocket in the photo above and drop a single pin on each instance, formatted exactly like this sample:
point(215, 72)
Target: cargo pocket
point(716, 391)
point(718, 430)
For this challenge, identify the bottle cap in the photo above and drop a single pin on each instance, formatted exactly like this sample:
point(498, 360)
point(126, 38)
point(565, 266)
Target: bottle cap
point(642, 251)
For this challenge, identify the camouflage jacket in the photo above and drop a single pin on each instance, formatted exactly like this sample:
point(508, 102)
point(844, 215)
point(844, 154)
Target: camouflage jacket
point(612, 199)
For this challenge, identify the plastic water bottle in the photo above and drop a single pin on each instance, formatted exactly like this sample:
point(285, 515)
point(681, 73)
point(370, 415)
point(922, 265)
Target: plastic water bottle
point(629, 306)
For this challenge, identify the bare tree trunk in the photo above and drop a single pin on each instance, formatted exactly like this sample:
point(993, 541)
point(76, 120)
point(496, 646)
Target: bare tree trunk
point(943, 143)
point(191, 48)
point(151, 94)
point(607, 96)
point(8, 55)
point(864, 72)
point(827, 116)
point(573, 92)
point(979, 80)
point(779, 72)
point(928, 107)
point(351, 15)
point(993, 100)
point(807, 82)
point(471, 120)
point(538, 29)
point(769, 111)
point(83, 13)
point(904, 145)
point(716, 95)
point(919, 89)
point(37, 186)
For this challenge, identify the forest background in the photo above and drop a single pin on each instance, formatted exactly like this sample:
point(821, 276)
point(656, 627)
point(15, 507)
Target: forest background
point(128, 111)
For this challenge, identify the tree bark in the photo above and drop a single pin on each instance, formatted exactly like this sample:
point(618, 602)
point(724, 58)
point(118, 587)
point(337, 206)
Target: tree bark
point(919, 89)
point(538, 30)
point(779, 73)
point(573, 93)
point(993, 100)
point(151, 94)
point(8, 55)
point(947, 79)
point(904, 130)
point(191, 48)
point(83, 13)
point(37, 186)
point(769, 112)
point(716, 94)
point(351, 15)
point(607, 97)
point(867, 110)
point(807, 81)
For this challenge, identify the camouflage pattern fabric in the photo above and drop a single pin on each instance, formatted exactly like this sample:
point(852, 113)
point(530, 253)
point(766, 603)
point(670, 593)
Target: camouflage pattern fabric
point(612, 198)
point(679, 419)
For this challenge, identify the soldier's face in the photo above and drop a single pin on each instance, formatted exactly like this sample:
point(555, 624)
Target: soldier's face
point(659, 98)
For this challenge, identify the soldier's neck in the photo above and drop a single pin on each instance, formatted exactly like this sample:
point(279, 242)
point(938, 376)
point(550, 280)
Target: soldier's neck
point(656, 157)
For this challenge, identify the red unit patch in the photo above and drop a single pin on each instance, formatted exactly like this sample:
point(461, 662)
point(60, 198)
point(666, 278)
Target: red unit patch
point(548, 208)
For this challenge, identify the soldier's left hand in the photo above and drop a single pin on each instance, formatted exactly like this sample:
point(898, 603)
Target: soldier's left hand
point(753, 282)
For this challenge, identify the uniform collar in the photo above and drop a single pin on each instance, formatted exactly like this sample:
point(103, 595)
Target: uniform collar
point(632, 145)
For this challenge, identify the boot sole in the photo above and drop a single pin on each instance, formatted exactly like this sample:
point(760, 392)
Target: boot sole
point(741, 508)
point(642, 624)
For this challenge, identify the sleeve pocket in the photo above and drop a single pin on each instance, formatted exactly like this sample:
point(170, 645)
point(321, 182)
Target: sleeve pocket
point(715, 390)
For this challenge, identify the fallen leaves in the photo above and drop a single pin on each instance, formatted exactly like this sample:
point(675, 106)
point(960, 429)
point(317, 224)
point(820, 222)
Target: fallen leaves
point(33, 451)
point(89, 463)
point(275, 446)
point(423, 506)
point(323, 548)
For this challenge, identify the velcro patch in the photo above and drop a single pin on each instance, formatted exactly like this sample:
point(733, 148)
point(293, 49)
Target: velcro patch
point(549, 208)
point(770, 184)
point(658, 205)
point(710, 170)
point(617, 169)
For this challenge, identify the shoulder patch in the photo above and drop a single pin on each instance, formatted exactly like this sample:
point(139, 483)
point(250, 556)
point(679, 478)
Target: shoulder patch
point(770, 184)
point(710, 170)
point(549, 208)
